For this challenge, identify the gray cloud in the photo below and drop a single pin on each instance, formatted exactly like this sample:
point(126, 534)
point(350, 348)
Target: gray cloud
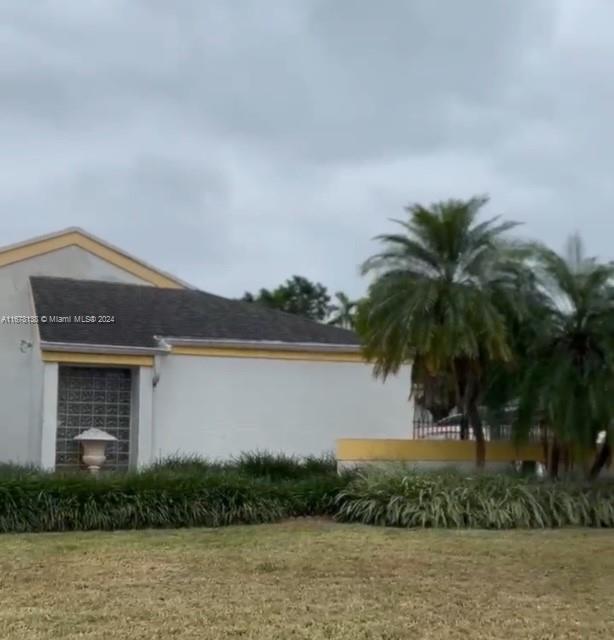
point(235, 145)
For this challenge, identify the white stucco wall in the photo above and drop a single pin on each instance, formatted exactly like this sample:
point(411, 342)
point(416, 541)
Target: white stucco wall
point(219, 407)
point(21, 374)
point(142, 417)
point(49, 421)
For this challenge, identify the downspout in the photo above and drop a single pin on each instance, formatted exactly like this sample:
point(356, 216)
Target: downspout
point(165, 349)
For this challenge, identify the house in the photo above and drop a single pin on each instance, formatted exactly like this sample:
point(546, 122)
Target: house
point(93, 337)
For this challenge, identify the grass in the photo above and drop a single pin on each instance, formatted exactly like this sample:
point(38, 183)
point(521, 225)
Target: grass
point(308, 579)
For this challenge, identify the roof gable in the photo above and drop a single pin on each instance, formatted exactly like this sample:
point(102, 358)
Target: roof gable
point(74, 236)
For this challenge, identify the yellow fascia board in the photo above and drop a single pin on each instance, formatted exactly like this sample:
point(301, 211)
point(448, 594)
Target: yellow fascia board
point(98, 359)
point(100, 249)
point(268, 354)
point(432, 451)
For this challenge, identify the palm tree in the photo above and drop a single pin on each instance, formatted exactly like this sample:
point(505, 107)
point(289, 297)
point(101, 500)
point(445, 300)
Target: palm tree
point(566, 377)
point(344, 311)
point(436, 301)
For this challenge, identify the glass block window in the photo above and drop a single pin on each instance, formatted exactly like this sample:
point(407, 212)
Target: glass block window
point(93, 397)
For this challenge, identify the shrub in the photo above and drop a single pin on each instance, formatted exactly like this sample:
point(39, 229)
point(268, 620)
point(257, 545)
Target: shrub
point(279, 466)
point(147, 500)
point(263, 464)
point(311, 496)
point(184, 492)
point(410, 499)
point(325, 464)
point(175, 492)
point(186, 464)
point(9, 470)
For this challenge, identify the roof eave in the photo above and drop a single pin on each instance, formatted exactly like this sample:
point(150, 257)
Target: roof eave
point(165, 345)
point(77, 347)
point(271, 345)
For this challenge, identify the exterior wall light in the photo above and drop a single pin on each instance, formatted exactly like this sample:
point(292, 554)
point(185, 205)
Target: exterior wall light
point(25, 345)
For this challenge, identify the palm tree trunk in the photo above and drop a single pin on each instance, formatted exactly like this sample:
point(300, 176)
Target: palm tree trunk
point(469, 388)
point(475, 421)
point(545, 444)
point(568, 459)
point(461, 389)
point(464, 427)
point(603, 457)
point(476, 424)
point(555, 459)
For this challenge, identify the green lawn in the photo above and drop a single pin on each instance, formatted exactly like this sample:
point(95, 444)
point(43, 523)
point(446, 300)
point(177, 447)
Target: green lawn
point(308, 579)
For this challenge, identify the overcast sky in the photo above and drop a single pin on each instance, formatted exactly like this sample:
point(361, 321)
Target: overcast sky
point(237, 143)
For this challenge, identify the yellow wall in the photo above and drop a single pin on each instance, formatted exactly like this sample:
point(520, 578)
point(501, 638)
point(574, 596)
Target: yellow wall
point(358, 450)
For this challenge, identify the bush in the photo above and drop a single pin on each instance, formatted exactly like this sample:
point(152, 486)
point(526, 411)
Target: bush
point(186, 464)
point(314, 496)
point(279, 466)
point(135, 501)
point(255, 464)
point(481, 501)
point(325, 464)
point(11, 471)
point(262, 464)
point(184, 492)
point(175, 492)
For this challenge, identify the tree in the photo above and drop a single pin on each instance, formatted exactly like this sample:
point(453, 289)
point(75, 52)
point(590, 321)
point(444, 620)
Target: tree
point(565, 376)
point(343, 311)
point(436, 301)
point(297, 295)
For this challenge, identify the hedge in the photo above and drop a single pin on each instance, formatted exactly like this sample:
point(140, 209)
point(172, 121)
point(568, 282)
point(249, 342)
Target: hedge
point(452, 500)
point(176, 493)
point(257, 488)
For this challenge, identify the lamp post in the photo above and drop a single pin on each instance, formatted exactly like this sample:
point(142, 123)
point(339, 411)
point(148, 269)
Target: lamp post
point(94, 442)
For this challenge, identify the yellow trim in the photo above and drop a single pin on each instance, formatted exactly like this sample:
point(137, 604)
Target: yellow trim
point(208, 352)
point(268, 354)
point(432, 451)
point(74, 238)
point(106, 359)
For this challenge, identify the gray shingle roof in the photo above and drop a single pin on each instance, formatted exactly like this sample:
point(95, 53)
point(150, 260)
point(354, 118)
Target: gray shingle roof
point(141, 312)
